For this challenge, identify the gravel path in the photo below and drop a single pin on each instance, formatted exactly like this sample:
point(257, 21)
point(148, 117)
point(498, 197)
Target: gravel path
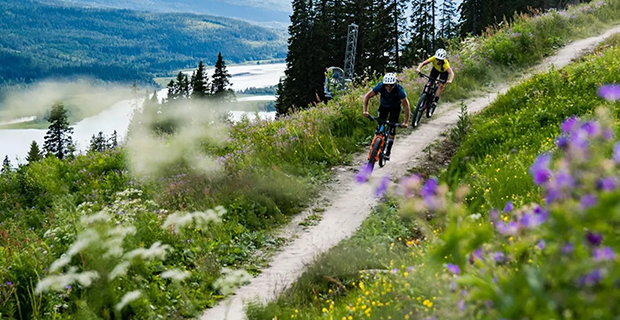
point(350, 203)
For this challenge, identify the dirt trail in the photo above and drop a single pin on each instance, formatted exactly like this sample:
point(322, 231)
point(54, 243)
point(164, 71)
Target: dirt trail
point(351, 202)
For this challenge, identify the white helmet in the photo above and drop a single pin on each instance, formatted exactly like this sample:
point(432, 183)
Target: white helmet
point(440, 54)
point(389, 78)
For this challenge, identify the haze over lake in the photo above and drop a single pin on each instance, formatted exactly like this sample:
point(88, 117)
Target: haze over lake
point(16, 142)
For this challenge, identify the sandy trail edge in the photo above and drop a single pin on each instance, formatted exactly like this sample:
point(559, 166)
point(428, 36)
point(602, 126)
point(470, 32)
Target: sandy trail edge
point(351, 202)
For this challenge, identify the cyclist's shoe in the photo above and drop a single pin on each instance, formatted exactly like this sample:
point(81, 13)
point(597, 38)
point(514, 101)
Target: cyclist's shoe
point(386, 157)
point(434, 105)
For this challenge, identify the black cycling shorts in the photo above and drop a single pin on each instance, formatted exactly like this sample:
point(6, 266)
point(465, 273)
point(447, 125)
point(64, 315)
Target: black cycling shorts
point(391, 114)
point(439, 75)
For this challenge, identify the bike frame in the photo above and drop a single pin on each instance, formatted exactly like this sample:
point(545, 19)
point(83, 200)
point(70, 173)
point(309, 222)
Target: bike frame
point(426, 98)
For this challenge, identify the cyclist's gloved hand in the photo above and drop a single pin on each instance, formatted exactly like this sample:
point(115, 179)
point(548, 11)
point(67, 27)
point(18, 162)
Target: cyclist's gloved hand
point(403, 125)
point(366, 114)
point(448, 82)
point(417, 70)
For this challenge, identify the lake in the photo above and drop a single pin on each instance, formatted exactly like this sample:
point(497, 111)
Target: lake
point(16, 142)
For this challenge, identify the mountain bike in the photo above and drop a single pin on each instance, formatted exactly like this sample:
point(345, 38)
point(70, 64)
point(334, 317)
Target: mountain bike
point(379, 142)
point(425, 103)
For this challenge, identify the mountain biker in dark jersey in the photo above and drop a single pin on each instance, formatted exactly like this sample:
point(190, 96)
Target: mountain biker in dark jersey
point(441, 70)
point(392, 97)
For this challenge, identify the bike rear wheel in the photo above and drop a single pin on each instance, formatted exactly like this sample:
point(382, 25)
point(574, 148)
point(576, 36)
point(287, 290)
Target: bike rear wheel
point(374, 152)
point(419, 109)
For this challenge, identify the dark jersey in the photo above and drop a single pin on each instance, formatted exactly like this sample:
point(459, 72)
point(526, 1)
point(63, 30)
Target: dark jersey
point(388, 99)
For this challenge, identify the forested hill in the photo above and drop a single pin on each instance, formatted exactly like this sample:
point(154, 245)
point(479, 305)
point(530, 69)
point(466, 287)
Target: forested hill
point(41, 40)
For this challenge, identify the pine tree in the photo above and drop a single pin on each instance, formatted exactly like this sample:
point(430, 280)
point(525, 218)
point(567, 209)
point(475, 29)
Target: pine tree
point(172, 91)
point(34, 154)
point(6, 165)
point(220, 83)
point(113, 142)
point(98, 143)
point(200, 85)
point(298, 60)
point(58, 137)
point(421, 43)
point(448, 27)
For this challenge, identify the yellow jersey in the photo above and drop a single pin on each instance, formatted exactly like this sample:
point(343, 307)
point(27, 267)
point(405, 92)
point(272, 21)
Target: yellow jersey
point(442, 68)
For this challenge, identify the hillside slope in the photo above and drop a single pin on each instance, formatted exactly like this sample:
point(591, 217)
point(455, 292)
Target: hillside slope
point(41, 40)
point(352, 203)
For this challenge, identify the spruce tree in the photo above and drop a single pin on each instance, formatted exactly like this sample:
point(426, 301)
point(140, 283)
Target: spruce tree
point(448, 27)
point(58, 139)
point(6, 165)
point(34, 154)
point(98, 143)
point(421, 43)
point(200, 85)
point(298, 60)
point(113, 142)
point(220, 83)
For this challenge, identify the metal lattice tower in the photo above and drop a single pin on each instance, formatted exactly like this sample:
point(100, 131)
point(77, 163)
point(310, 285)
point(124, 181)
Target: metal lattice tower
point(349, 56)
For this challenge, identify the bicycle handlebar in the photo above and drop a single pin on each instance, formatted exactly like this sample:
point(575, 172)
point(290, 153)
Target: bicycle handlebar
point(381, 121)
point(431, 78)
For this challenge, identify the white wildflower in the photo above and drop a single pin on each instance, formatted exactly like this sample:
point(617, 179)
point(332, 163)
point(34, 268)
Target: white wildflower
point(156, 251)
point(61, 262)
point(119, 270)
point(175, 275)
point(475, 216)
point(84, 239)
point(60, 282)
point(99, 216)
point(127, 298)
point(230, 280)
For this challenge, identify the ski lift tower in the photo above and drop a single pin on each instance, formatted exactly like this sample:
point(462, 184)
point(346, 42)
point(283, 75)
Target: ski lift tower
point(349, 56)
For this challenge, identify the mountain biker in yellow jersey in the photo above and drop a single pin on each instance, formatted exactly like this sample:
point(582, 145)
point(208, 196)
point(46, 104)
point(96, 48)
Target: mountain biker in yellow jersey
point(441, 70)
point(392, 97)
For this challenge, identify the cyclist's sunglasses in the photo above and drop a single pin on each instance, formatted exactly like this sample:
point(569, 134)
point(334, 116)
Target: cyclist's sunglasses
point(390, 85)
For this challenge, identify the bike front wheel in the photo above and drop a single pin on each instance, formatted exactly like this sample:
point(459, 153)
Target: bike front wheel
point(375, 150)
point(419, 110)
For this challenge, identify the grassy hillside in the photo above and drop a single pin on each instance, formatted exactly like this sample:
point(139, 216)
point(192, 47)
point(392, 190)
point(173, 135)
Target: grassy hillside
point(468, 263)
point(47, 39)
point(172, 242)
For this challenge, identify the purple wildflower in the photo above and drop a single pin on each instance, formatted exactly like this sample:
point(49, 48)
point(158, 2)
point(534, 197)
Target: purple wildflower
point(562, 142)
point(608, 134)
point(541, 244)
point(383, 185)
point(603, 254)
point(610, 92)
point(592, 278)
point(568, 248)
point(394, 271)
point(453, 268)
point(68, 287)
point(540, 169)
point(461, 305)
point(569, 124)
point(499, 257)
point(617, 152)
point(594, 239)
point(531, 220)
point(508, 206)
point(592, 128)
point(588, 201)
point(494, 215)
point(430, 188)
point(607, 184)
point(9, 283)
point(407, 185)
point(477, 254)
point(507, 229)
point(364, 173)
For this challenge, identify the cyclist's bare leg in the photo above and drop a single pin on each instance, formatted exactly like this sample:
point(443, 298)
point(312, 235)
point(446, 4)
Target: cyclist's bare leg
point(388, 150)
point(439, 92)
